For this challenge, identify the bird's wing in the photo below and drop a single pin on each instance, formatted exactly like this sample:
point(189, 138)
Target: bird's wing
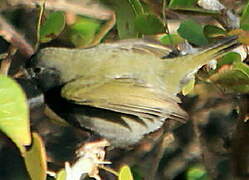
point(144, 46)
point(125, 95)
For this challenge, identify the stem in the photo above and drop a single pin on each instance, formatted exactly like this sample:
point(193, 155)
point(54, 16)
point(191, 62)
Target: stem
point(39, 24)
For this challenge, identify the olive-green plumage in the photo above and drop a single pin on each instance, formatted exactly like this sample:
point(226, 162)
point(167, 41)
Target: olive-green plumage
point(129, 77)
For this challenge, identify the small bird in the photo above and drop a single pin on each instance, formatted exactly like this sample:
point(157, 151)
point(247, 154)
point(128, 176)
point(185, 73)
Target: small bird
point(133, 80)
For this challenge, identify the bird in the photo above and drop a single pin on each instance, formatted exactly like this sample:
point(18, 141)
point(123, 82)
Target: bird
point(130, 87)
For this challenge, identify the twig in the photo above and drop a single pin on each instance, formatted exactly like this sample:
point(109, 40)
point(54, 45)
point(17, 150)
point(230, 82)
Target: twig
point(240, 147)
point(6, 62)
point(42, 7)
point(104, 30)
point(166, 140)
point(94, 10)
point(14, 38)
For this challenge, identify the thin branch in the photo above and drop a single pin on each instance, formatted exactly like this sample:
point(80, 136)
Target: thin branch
point(93, 9)
point(240, 147)
point(42, 9)
point(6, 62)
point(14, 38)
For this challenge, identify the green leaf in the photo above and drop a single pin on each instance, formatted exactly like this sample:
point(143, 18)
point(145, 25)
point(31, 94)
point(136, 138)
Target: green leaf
point(148, 24)
point(192, 32)
point(52, 27)
point(235, 79)
point(229, 58)
point(244, 20)
point(182, 3)
point(171, 39)
point(137, 6)
point(125, 17)
point(212, 31)
point(14, 113)
point(35, 159)
point(61, 175)
point(188, 87)
point(245, 27)
point(84, 31)
point(197, 173)
point(125, 173)
point(242, 67)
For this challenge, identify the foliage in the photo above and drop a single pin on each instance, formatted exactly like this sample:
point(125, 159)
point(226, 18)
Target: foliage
point(14, 113)
point(134, 19)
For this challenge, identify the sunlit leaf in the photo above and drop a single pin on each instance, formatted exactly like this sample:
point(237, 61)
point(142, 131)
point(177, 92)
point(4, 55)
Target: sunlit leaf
point(125, 173)
point(171, 39)
point(35, 159)
point(148, 24)
point(197, 173)
point(188, 87)
point(192, 32)
point(84, 31)
point(229, 58)
point(61, 175)
point(52, 27)
point(14, 113)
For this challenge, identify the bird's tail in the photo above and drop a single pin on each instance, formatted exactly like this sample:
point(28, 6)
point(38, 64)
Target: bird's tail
point(182, 67)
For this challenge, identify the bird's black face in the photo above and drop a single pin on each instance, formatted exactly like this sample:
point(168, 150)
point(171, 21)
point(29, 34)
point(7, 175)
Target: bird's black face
point(45, 77)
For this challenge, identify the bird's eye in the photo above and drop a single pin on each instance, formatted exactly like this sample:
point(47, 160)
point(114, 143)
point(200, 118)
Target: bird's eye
point(37, 70)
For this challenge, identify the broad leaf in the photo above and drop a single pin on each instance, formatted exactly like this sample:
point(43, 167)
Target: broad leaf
point(229, 58)
point(84, 31)
point(52, 27)
point(125, 173)
point(197, 173)
point(212, 31)
point(148, 24)
point(171, 39)
point(193, 32)
point(35, 159)
point(14, 113)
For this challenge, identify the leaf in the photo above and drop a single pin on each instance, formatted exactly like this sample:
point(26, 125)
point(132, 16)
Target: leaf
point(61, 175)
point(192, 32)
point(244, 19)
point(229, 58)
point(35, 159)
point(234, 79)
point(125, 173)
point(125, 16)
point(137, 6)
point(188, 87)
point(182, 3)
point(14, 113)
point(197, 173)
point(212, 31)
point(148, 24)
point(52, 27)
point(242, 67)
point(171, 39)
point(84, 31)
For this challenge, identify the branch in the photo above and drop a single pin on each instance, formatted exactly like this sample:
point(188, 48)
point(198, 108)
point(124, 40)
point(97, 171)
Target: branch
point(14, 38)
point(86, 8)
